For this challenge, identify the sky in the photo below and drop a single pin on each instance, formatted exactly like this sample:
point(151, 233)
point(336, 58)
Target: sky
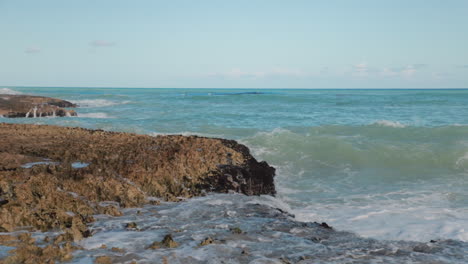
point(235, 44)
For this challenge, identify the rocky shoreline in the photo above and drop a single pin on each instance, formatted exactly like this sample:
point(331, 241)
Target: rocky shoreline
point(14, 106)
point(76, 195)
point(57, 178)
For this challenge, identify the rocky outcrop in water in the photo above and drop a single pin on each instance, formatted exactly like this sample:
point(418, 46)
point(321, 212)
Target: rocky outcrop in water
point(59, 177)
point(33, 106)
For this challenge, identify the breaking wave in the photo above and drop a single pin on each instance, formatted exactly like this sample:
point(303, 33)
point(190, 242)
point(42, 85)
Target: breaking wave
point(94, 115)
point(8, 91)
point(389, 123)
point(358, 177)
point(92, 103)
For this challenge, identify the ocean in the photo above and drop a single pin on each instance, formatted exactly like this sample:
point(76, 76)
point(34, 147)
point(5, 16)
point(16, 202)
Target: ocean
point(386, 165)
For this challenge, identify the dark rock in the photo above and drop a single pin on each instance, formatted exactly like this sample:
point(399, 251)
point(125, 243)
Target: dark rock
point(167, 242)
point(131, 225)
point(207, 241)
point(14, 106)
point(325, 225)
point(236, 230)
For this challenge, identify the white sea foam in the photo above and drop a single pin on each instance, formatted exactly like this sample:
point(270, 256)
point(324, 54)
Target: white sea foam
point(404, 216)
point(186, 133)
point(267, 236)
point(8, 91)
point(94, 115)
point(92, 103)
point(388, 123)
point(461, 162)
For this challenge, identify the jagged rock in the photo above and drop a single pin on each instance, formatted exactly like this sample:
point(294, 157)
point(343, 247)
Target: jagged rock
point(122, 167)
point(131, 226)
point(236, 230)
point(167, 242)
point(27, 251)
point(33, 106)
point(103, 260)
point(207, 241)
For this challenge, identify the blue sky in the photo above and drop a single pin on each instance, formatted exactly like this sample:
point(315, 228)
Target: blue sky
point(229, 44)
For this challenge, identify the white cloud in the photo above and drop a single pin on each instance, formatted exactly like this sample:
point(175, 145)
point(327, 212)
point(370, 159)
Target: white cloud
point(102, 43)
point(408, 72)
point(360, 70)
point(363, 70)
point(387, 72)
point(32, 50)
point(237, 73)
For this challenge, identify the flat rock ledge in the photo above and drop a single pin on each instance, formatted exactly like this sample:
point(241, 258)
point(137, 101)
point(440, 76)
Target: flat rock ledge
point(57, 178)
point(33, 106)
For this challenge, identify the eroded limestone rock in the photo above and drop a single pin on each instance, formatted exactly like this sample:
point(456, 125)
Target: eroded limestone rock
point(123, 168)
point(33, 106)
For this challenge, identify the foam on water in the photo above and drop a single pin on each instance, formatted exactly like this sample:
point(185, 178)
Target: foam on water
point(93, 103)
point(374, 184)
point(9, 91)
point(94, 115)
point(389, 123)
point(381, 163)
point(32, 164)
point(268, 235)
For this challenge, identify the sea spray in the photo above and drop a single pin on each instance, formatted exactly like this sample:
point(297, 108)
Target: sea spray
point(381, 182)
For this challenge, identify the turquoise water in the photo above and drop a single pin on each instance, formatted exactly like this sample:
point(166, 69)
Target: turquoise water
point(385, 164)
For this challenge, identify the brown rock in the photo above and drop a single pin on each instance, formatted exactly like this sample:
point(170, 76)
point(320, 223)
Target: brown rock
point(167, 242)
point(236, 230)
point(28, 252)
point(131, 226)
point(33, 106)
point(116, 249)
point(207, 241)
point(124, 168)
point(103, 260)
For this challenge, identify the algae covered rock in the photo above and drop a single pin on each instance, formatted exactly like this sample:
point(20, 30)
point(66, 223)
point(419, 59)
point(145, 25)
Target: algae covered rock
point(14, 106)
point(167, 242)
point(41, 188)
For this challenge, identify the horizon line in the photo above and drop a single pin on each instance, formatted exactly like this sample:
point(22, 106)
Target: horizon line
point(289, 88)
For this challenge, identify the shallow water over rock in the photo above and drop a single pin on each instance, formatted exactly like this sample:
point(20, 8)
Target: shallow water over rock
point(242, 229)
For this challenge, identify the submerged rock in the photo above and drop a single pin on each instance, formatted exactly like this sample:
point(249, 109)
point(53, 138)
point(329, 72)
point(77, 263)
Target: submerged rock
point(33, 106)
point(127, 169)
point(167, 242)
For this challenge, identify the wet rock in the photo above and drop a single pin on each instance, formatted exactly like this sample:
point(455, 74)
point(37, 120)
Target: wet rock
point(131, 226)
point(207, 241)
point(27, 251)
point(103, 260)
point(53, 195)
point(118, 250)
point(14, 106)
point(8, 240)
point(236, 230)
point(325, 225)
point(110, 210)
point(285, 261)
point(167, 242)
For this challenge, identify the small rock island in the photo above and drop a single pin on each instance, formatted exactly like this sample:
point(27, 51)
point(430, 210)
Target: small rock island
point(14, 106)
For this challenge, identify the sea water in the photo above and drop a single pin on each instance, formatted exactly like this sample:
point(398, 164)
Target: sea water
point(383, 164)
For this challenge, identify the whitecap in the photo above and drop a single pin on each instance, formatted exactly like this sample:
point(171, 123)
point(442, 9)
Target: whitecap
point(9, 91)
point(91, 103)
point(94, 115)
point(389, 123)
